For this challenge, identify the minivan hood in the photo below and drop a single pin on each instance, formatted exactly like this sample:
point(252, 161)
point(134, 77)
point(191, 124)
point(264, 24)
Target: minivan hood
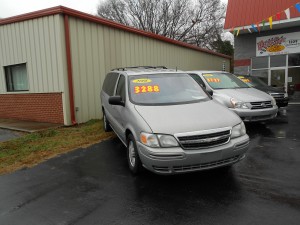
point(172, 119)
point(244, 94)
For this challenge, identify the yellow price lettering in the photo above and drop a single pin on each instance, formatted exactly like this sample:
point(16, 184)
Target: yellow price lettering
point(137, 89)
point(156, 88)
point(144, 89)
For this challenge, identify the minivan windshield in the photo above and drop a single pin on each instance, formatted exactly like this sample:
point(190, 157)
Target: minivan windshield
point(252, 81)
point(223, 81)
point(165, 89)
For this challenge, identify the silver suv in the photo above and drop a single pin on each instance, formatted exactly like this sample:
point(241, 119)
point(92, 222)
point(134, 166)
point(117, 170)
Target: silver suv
point(249, 103)
point(168, 123)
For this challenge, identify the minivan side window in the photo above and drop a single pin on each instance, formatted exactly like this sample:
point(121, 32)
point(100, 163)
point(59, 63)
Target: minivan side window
point(110, 83)
point(121, 88)
point(198, 79)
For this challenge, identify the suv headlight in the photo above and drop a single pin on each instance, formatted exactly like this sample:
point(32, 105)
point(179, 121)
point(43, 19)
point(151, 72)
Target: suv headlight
point(286, 95)
point(238, 130)
point(238, 104)
point(155, 141)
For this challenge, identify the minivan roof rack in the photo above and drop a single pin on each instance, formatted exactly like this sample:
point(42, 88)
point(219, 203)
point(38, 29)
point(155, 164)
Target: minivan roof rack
point(140, 67)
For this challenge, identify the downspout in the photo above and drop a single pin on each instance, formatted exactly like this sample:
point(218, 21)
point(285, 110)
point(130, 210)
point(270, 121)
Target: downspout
point(69, 68)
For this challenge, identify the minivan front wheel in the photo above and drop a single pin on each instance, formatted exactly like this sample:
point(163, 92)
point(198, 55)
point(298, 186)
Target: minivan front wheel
point(134, 162)
point(106, 125)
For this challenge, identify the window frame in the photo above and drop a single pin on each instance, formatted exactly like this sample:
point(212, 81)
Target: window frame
point(8, 73)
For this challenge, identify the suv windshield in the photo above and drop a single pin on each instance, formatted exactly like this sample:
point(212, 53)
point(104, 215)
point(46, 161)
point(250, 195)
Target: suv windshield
point(165, 89)
point(252, 81)
point(223, 81)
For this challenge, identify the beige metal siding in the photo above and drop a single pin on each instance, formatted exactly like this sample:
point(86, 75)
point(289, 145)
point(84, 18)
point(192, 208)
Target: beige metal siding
point(39, 43)
point(96, 49)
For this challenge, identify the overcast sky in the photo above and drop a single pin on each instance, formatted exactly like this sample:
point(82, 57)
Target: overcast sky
point(10, 8)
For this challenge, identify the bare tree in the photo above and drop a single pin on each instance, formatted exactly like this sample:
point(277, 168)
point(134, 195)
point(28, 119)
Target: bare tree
point(197, 22)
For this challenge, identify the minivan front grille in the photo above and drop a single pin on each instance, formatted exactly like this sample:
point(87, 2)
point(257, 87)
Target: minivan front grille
point(261, 105)
point(205, 165)
point(204, 140)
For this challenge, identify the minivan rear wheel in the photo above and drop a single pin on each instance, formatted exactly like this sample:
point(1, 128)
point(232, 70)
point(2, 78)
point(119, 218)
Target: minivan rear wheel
point(106, 125)
point(134, 162)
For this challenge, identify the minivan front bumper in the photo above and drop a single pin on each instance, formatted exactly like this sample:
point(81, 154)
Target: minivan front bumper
point(176, 160)
point(249, 115)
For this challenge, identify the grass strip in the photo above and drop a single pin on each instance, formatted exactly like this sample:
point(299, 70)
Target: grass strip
point(34, 148)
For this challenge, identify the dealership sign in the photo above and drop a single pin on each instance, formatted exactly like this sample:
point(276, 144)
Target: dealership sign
point(278, 44)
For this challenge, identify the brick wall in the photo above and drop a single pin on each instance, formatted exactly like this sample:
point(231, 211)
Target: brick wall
point(45, 107)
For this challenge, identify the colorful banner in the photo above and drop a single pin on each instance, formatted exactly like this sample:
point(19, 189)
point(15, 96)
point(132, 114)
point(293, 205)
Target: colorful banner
point(277, 16)
point(278, 44)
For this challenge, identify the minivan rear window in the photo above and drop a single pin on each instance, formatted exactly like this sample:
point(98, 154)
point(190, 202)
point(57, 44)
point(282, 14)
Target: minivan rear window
point(165, 89)
point(223, 81)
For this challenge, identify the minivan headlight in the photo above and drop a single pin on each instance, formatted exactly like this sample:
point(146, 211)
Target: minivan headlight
point(238, 130)
point(149, 140)
point(155, 141)
point(238, 104)
point(167, 141)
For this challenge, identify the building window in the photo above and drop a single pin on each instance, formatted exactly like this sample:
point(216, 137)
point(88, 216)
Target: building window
point(278, 61)
point(16, 78)
point(294, 60)
point(262, 74)
point(260, 62)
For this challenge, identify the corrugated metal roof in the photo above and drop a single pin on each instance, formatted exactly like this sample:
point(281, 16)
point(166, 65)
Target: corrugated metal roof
point(246, 12)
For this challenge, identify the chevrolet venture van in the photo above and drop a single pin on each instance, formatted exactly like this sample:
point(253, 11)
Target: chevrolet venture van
point(168, 123)
point(249, 103)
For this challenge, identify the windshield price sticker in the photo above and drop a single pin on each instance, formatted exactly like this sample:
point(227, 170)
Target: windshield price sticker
point(213, 80)
point(245, 80)
point(146, 89)
point(142, 81)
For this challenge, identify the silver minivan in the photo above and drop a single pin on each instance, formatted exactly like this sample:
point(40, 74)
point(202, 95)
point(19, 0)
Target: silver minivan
point(168, 123)
point(249, 103)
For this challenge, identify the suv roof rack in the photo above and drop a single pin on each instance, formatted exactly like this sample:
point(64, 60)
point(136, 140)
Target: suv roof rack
point(140, 67)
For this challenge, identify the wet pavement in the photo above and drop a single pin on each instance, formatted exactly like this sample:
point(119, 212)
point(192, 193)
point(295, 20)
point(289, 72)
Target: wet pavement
point(94, 186)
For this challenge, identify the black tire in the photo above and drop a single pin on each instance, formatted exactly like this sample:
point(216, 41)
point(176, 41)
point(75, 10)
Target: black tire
point(133, 159)
point(106, 125)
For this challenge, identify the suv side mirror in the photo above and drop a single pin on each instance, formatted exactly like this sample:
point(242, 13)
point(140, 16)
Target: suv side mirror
point(210, 92)
point(116, 100)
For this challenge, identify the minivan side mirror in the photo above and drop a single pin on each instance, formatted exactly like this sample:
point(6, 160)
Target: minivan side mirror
point(116, 100)
point(210, 92)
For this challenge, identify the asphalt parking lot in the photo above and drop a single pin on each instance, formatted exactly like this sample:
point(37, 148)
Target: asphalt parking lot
point(94, 186)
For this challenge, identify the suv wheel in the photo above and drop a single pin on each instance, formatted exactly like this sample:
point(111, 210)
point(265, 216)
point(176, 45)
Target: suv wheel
point(134, 162)
point(106, 125)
